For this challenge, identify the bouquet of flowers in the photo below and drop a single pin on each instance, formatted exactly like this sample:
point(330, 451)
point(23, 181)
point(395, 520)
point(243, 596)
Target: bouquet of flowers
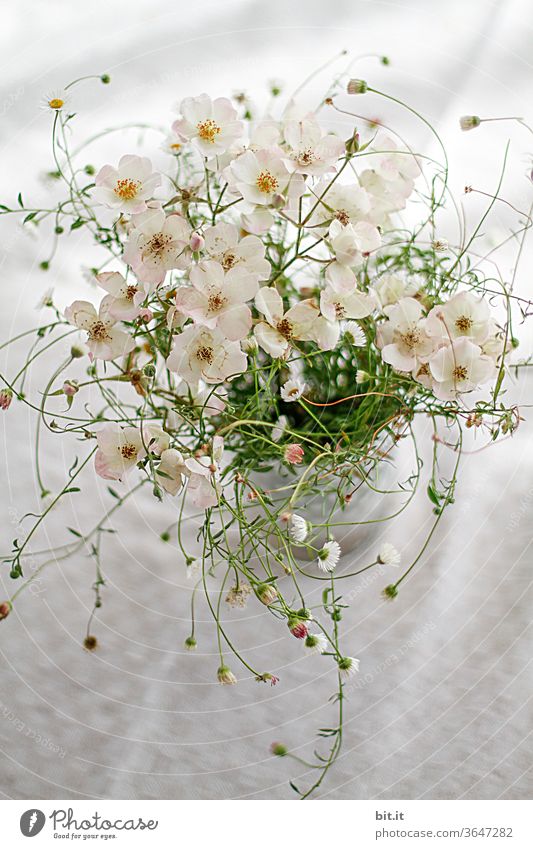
point(271, 316)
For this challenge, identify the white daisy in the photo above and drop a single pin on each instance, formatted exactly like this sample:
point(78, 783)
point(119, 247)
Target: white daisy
point(55, 101)
point(298, 528)
point(348, 666)
point(354, 334)
point(388, 555)
point(293, 389)
point(328, 557)
point(315, 644)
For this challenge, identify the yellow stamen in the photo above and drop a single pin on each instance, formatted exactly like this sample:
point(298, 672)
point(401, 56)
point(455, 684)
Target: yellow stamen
point(266, 182)
point(208, 130)
point(127, 189)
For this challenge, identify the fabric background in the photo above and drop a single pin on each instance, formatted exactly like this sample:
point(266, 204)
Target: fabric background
point(441, 706)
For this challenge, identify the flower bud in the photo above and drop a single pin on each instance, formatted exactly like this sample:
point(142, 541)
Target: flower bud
point(105, 79)
point(266, 593)
point(225, 675)
point(352, 144)
point(357, 87)
point(293, 453)
point(70, 387)
point(149, 370)
point(469, 122)
point(278, 201)
point(249, 346)
point(196, 242)
point(145, 315)
point(5, 609)
point(6, 396)
point(78, 350)
point(90, 643)
point(278, 749)
point(390, 592)
point(297, 628)
point(190, 643)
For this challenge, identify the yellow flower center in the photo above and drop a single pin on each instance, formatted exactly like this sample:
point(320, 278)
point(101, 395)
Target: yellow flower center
point(175, 146)
point(56, 103)
point(208, 130)
point(463, 323)
point(460, 373)
point(266, 182)
point(127, 189)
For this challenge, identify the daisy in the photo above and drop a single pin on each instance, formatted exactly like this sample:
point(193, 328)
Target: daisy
point(292, 389)
point(459, 367)
point(156, 244)
point(348, 666)
point(388, 555)
point(104, 340)
point(315, 643)
point(203, 354)
point(225, 675)
point(354, 334)
point(298, 528)
point(127, 187)
point(119, 450)
point(211, 125)
point(328, 557)
point(56, 101)
point(275, 333)
point(216, 299)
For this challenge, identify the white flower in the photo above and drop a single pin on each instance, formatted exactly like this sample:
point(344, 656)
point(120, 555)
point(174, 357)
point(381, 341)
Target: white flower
point(469, 122)
point(104, 340)
point(329, 555)
point(222, 243)
point(46, 300)
point(388, 555)
point(336, 305)
point(203, 481)
point(354, 334)
point(403, 339)
point(124, 298)
point(203, 354)
point(463, 315)
point(390, 181)
point(311, 152)
point(279, 428)
point(56, 101)
point(219, 300)
point(348, 666)
point(275, 334)
point(211, 125)
point(173, 144)
point(172, 471)
point(157, 243)
point(128, 187)
point(361, 376)
point(298, 528)
point(259, 175)
point(292, 389)
point(315, 643)
point(390, 289)
point(459, 367)
point(119, 449)
point(346, 203)
point(349, 243)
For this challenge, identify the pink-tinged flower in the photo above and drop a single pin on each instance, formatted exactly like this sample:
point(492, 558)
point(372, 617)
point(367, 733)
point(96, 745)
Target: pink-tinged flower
point(349, 243)
point(203, 354)
point(216, 299)
point(6, 396)
point(309, 151)
point(119, 450)
point(223, 245)
point(390, 289)
point(157, 243)
point(298, 628)
point(404, 339)
point(293, 453)
point(463, 315)
point(279, 328)
point(211, 125)
point(390, 180)
point(70, 388)
point(172, 471)
point(335, 306)
point(128, 187)
point(348, 204)
point(124, 297)
point(196, 242)
point(5, 609)
point(459, 367)
point(260, 175)
point(104, 340)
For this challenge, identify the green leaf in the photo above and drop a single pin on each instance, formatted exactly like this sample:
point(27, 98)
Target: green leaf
point(113, 493)
point(79, 222)
point(29, 217)
point(20, 201)
point(433, 496)
point(72, 531)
